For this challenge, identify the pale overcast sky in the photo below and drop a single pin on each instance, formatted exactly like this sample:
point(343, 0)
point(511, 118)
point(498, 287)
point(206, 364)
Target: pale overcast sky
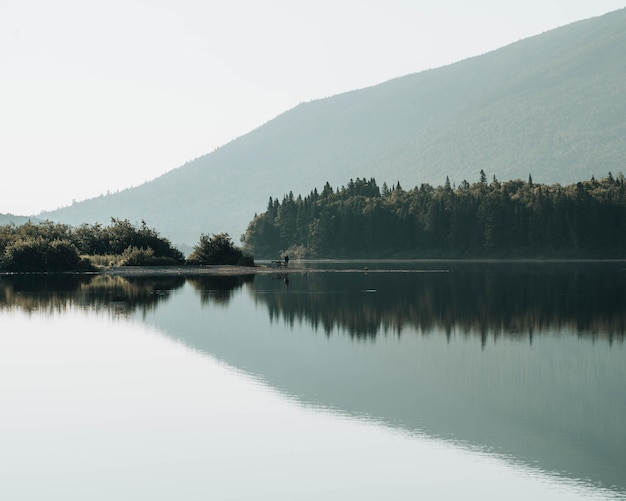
point(98, 96)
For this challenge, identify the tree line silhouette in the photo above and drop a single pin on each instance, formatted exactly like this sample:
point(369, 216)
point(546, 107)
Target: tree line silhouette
point(485, 219)
point(49, 246)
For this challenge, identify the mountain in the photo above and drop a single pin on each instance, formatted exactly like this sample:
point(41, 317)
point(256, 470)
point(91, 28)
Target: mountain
point(553, 105)
point(6, 219)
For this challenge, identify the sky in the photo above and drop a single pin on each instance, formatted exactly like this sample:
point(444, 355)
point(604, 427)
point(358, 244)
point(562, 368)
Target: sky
point(100, 96)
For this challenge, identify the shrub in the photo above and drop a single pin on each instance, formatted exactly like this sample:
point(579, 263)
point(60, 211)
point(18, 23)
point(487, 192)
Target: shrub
point(140, 256)
point(37, 254)
point(121, 235)
point(246, 260)
point(62, 255)
point(104, 260)
point(218, 249)
point(137, 256)
point(25, 255)
point(54, 247)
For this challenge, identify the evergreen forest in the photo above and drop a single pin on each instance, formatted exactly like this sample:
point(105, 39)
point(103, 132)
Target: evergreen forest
point(486, 219)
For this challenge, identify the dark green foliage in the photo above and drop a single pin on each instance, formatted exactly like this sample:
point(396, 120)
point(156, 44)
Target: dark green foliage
point(140, 256)
point(122, 234)
point(218, 249)
point(508, 219)
point(25, 255)
point(63, 255)
point(57, 247)
point(39, 254)
point(92, 240)
point(45, 246)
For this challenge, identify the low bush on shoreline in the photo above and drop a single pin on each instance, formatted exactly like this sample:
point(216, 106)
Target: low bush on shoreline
point(218, 249)
point(50, 247)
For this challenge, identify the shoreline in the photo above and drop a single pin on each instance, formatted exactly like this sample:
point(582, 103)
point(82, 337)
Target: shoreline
point(136, 271)
point(183, 271)
point(265, 269)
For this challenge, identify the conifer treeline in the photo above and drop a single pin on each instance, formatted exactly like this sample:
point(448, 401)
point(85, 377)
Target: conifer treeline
point(485, 219)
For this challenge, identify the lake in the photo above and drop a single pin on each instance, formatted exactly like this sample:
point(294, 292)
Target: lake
point(335, 380)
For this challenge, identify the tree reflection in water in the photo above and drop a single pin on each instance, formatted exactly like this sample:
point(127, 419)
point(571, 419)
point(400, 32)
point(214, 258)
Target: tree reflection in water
point(218, 289)
point(121, 295)
point(58, 292)
point(557, 405)
point(485, 299)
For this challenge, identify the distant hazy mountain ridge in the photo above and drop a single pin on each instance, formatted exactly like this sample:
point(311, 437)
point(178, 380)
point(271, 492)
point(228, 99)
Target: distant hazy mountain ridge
point(553, 105)
point(6, 219)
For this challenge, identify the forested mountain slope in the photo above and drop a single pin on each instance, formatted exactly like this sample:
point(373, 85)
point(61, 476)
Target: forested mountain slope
point(553, 105)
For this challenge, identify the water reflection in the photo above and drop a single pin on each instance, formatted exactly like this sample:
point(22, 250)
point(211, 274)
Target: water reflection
point(481, 299)
point(122, 295)
point(489, 299)
point(60, 292)
point(453, 354)
point(218, 289)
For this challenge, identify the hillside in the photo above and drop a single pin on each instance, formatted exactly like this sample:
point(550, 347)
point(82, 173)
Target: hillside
point(552, 105)
point(6, 219)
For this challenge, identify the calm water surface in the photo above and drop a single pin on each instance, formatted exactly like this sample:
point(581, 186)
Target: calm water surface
point(438, 380)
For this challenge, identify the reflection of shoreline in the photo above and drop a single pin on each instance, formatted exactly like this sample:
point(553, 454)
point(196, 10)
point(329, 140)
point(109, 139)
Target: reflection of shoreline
point(496, 398)
point(151, 271)
point(182, 271)
point(209, 270)
point(554, 405)
point(472, 299)
point(218, 288)
point(60, 292)
point(121, 294)
point(490, 299)
point(264, 267)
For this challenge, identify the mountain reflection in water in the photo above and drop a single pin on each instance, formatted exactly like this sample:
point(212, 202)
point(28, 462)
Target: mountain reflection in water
point(525, 360)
